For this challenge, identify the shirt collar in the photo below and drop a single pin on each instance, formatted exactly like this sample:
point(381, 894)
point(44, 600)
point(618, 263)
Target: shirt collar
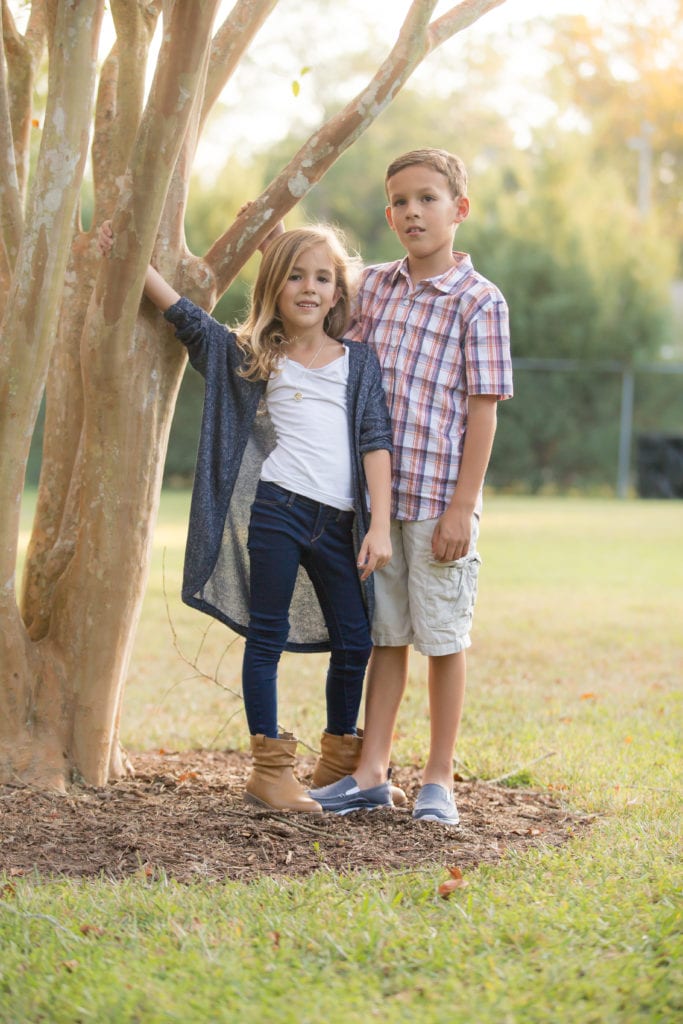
point(442, 282)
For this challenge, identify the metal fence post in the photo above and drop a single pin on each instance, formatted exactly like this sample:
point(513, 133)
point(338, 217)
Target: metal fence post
point(625, 431)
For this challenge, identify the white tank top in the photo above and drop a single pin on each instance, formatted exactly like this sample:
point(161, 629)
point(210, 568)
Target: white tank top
point(309, 413)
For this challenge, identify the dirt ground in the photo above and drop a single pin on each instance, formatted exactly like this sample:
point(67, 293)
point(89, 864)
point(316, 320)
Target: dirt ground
point(183, 815)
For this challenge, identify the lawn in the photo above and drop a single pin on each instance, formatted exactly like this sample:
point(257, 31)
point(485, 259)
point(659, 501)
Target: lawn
point(574, 681)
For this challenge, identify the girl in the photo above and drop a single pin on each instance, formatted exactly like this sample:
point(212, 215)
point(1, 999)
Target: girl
point(295, 437)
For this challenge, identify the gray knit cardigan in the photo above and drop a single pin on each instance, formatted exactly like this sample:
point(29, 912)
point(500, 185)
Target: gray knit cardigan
point(236, 436)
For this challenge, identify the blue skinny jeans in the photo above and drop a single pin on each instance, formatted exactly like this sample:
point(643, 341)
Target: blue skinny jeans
point(287, 530)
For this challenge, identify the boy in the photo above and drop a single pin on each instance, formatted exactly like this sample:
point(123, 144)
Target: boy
point(441, 333)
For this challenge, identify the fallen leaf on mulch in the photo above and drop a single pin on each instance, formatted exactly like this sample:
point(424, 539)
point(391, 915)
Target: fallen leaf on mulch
point(183, 815)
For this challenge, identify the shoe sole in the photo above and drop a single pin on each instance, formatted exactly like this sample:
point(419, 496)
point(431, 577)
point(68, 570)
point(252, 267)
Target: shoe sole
point(351, 810)
point(435, 817)
point(257, 802)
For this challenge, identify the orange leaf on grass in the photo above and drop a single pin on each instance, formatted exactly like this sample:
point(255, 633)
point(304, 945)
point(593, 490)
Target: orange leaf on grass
point(456, 881)
point(446, 888)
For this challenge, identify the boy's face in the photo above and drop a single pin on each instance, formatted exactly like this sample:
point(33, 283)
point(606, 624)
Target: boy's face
point(423, 212)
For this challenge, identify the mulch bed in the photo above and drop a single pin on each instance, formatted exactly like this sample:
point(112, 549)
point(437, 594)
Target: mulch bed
point(183, 815)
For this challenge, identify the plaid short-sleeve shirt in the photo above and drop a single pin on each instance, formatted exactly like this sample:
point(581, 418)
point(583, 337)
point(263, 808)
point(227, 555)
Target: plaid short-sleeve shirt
point(437, 342)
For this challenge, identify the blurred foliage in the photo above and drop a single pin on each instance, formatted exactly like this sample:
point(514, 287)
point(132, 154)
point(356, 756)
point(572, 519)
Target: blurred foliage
point(557, 220)
point(586, 276)
point(625, 82)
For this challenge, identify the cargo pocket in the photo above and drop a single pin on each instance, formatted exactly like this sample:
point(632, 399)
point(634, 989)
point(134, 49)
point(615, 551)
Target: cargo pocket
point(451, 593)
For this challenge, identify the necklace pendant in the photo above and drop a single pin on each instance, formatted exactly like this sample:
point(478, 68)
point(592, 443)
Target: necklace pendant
point(298, 396)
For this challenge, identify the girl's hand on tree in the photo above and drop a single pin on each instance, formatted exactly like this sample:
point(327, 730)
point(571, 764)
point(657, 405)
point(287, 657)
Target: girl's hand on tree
point(156, 288)
point(271, 236)
point(105, 237)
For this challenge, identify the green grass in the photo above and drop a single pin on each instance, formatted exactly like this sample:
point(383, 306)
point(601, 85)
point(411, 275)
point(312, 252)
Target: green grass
point(578, 655)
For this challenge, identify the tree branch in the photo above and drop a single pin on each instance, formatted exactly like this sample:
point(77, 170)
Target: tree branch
point(23, 54)
point(120, 100)
point(323, 148)
point(14, 67)
point(180, 74)
point(459, 18)
point(28, 335)
point(229, 44)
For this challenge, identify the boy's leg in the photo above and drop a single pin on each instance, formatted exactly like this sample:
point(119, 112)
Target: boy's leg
point(443, 595)
point(446, 681)
point(386, 683)
point(388, 670)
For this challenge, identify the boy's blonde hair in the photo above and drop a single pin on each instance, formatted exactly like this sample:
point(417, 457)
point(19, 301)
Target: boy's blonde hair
point(262, 336)
point(451, 166)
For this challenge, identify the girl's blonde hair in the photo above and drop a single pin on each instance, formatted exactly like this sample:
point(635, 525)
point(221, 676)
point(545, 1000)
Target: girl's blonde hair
point(261, 336)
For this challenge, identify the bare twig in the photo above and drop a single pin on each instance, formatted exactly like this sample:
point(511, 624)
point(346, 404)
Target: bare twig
point(193, 663)
point(462, 767)
point(224, 726)
point(520, 768)
point(199, 673)
point(294, 821)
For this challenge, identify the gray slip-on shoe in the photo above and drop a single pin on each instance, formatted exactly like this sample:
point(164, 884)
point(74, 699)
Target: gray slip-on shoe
point(435, 803)
point(344, 796)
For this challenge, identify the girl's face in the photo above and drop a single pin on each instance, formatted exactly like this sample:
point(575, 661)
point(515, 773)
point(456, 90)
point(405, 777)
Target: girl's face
point(309, 293)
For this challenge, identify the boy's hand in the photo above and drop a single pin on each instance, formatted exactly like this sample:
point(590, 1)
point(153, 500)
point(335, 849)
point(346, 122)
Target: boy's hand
point(452, 535)
point(105, 238)
point(271, 236)
point(375, 551)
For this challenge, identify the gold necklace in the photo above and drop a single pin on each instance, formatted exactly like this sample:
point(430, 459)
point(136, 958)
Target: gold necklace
point(298, 396)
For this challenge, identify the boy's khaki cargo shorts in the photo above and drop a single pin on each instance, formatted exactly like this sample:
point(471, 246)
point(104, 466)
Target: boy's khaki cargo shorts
point(423, 602)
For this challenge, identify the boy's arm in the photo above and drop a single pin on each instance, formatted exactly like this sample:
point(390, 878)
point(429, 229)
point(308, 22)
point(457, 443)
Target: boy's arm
point(451, 538)
point(375, 550)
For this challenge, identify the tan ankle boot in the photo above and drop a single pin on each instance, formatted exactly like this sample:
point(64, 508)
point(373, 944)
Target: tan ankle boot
point(339, 756)
point(272, 782)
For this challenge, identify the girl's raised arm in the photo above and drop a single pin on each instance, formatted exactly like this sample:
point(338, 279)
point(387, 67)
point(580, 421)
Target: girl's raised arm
point(157, 289)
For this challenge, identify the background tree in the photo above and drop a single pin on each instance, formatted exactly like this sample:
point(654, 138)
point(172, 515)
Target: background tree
point(556, 224)
point(623, 83)
point(74, 325)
